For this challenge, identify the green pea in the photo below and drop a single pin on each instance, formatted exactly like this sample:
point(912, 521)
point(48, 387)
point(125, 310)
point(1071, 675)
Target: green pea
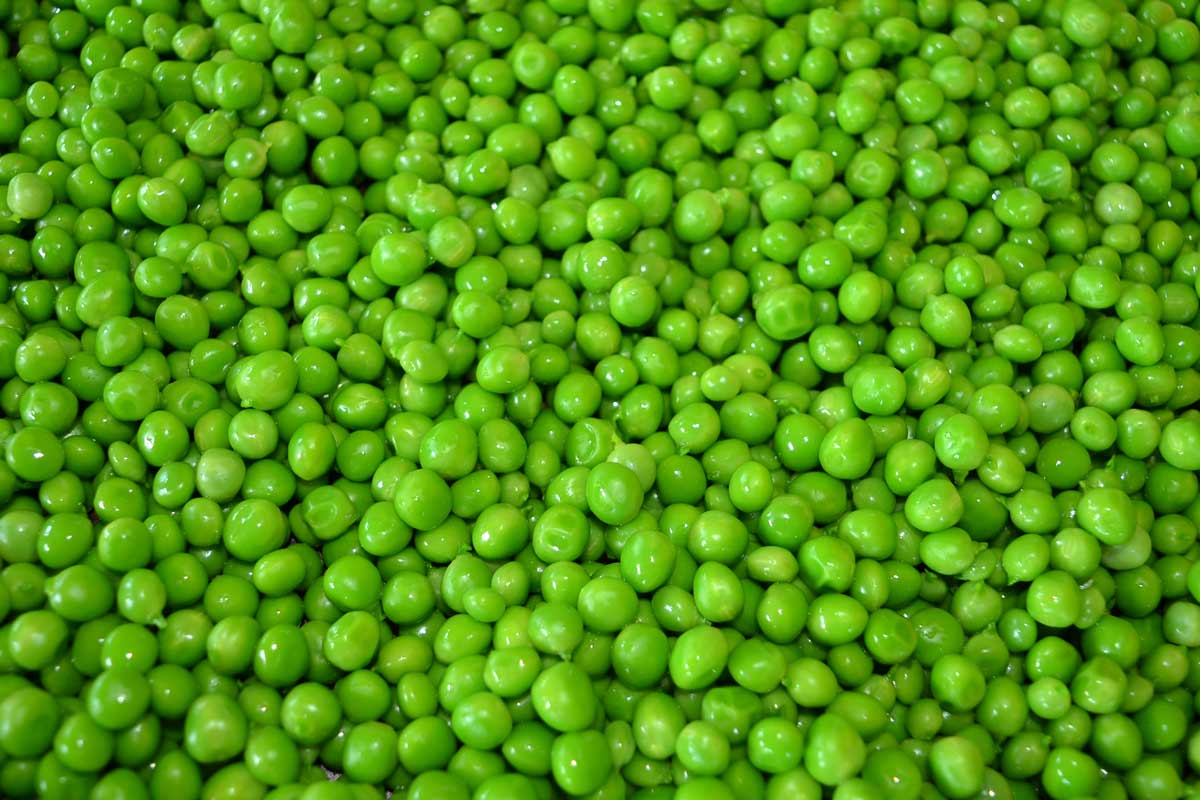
point(550, 692)
point(833, 751)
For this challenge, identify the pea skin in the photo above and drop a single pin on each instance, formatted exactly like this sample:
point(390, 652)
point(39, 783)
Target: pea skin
point(599, 398)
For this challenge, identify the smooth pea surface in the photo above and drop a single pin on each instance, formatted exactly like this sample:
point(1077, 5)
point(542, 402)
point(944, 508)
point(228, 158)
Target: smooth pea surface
point(599, 398)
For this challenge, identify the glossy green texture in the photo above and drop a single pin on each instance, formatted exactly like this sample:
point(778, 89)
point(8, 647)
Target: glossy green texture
point(599, 398)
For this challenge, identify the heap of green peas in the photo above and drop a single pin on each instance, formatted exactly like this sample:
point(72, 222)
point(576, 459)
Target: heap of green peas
point(509, 400)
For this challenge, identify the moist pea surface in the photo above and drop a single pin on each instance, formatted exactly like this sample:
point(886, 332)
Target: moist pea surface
point(518, 399)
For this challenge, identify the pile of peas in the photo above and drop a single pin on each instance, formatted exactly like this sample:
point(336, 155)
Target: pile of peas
point(648, 399)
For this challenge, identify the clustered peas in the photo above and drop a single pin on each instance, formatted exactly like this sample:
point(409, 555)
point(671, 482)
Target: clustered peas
point(649, 399)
